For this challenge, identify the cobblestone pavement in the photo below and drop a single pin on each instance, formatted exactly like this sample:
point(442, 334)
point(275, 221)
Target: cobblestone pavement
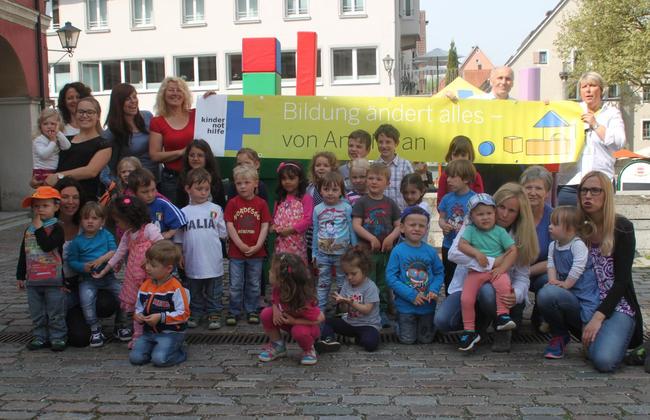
point(227, 381)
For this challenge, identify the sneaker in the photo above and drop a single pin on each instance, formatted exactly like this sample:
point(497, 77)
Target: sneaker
point(556, 347)
point(502, 340)
point(123, 334)
point(37, 343)
point(253, 318)
point(192, 322)
point(96, 338)
point(59, 345)
point(327, 345)
point(505, 323)
point(309, 357)
point(468, 340)
point(231, 320)
point(272, 351)
point(214, 322)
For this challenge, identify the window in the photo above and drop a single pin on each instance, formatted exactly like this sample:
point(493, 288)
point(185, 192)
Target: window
point(408, 8)
point(296, 8)
point(247, 10)
point(613, 92)
point(355, 64)
point(60, 76)
point(193, 11)
point(288, 65)
point(145, 73)
point(645, 129)
point(97, 14)
point(352, 7)
point(540, 57)
point(198, 71)
point(142, 13)
point(234, 69)
point(646, 93)
point(52, 10)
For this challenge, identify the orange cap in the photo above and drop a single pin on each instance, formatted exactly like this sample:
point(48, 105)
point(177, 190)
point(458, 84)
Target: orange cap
point(42, 193)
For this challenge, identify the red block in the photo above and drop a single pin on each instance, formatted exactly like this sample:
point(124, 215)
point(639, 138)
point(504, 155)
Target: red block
point(261, 55)
point(307, 62)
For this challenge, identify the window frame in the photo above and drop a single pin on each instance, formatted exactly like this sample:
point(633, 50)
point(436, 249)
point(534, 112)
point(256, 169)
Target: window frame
point(291, 82)
point(102, 26)
point(233, 84)
point(362, 12)
point(645, 93)
point(147, 86)
point(644, 136)
point(297, 15)
point(194, 22)
point(52, 76)
point(196, 83)
point(354, 78)
point(55, 9)
point(142, 26)
point(247, 18)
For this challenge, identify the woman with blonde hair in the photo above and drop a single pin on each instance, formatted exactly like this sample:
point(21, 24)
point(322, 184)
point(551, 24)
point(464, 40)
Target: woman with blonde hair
point(513, 213)
point(617, 323)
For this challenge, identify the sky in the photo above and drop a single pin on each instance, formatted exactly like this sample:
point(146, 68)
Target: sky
point(497, 26)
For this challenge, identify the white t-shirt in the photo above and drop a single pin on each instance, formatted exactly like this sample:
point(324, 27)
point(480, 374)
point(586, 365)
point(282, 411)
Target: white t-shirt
point(201, 240)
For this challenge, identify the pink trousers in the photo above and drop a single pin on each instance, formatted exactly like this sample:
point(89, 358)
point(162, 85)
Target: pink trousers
point(472, 284)
point(304, 335)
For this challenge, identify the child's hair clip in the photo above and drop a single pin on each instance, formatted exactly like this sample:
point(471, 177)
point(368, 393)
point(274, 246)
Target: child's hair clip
point(126, 200)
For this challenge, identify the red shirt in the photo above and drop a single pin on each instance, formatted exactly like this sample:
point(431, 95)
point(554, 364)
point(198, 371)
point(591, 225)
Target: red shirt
point(310, 311)
point(173, 139)
point(247, 217)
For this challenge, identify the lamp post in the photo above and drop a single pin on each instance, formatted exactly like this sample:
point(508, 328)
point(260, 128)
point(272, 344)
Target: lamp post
point(388, 66)
point(68, 36)
point(564, 77)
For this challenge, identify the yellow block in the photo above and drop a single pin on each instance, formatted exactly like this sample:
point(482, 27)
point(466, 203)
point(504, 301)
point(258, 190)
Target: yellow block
point(513, 144)
point(539, 147)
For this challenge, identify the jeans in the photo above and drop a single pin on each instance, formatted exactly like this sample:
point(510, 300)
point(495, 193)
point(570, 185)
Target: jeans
point(536, 284)
point(449, 316)
point(608, 349)
point(205, 296)
point(88, 297)
point(378, 275)
point(245, 277)
point(366, 336)
point(326, 263)
point(567, 195)
point(169, 184)
point(162, 349)
point(450, 268)
point(47, 310)
point(561, 309)
point(415, 327)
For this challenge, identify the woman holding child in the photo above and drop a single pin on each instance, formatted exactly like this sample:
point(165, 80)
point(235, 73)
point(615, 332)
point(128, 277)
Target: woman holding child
point(617, 323)
point(513, 213)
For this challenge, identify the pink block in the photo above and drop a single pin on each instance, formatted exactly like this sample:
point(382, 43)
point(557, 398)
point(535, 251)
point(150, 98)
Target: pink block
point(529, 84)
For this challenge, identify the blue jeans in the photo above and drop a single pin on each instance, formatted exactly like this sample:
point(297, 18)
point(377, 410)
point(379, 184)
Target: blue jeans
point(325, 264)
point(205, 296)
point(609, 347)
point(561, 309)
point(88, 298)
point(415, 327)
point(47, 310)
point(449, 316)
point(162, 349)
point(245, 278)
point(567, 195)
point(536, 284)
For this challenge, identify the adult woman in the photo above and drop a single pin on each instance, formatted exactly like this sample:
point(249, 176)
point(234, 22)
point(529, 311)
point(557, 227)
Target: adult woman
point(89, 152)
point(171, 131)
point(513, 214)
point(67, 105)
point(199, 155)
point(128, 128)
point(604, 134)
point(71, 202)
point(617, 324)
point(538, 182)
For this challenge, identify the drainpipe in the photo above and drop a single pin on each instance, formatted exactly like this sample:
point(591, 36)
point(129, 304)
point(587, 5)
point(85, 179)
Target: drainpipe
point(39, 53)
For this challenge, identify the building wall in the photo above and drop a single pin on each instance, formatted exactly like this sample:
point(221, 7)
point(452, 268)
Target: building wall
point(378, 27)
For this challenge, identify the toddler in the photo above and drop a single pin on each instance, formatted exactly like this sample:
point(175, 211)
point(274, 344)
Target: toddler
point(47, 145)
point(358, 171)
point(359, 144)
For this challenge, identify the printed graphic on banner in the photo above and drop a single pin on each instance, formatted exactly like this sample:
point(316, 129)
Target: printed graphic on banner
point(297, 127)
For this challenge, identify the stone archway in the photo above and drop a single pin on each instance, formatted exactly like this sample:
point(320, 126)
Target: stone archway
point(12, 76)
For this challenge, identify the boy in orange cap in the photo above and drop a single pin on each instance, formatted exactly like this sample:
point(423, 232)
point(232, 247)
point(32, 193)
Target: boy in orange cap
point(40, 269)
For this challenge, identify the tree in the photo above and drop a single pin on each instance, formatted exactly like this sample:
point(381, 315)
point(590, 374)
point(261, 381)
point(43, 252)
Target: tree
point(611, 37)
point(452, 63)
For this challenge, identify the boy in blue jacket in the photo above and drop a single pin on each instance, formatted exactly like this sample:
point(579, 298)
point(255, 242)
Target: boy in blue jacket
point(415, 274)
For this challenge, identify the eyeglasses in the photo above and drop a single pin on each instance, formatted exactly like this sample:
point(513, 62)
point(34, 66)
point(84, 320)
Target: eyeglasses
point(86, 112)
point(595, 192)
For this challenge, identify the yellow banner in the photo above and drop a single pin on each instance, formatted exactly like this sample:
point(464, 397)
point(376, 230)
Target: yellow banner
point(297, 127)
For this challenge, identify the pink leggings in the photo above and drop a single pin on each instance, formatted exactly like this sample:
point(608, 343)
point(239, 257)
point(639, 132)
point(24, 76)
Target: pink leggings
point(304, 335)
point(472, 284)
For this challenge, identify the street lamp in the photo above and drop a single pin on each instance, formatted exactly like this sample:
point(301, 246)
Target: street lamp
point(388, 65)
point(68, 36)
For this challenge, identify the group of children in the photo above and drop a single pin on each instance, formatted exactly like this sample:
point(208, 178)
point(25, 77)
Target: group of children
point(363, 227)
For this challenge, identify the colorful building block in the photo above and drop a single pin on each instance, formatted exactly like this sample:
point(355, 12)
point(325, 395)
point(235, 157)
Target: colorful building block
point(262, 84)
point(513, 144)
point(261, 55)
point(307, 62)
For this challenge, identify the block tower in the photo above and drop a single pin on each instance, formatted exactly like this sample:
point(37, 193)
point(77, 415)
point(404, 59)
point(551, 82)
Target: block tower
point(261, 66)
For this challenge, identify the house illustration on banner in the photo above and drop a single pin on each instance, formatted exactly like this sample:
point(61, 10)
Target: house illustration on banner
point(556, 136)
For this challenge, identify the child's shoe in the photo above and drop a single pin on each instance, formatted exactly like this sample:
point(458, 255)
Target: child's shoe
point(505, 323)
point(96, 338)
point(231, 320)
point(253, 318)
point(123, 334)
point(214, 322)
point(556, 347)
point(58, 345)
point(468, 340)
point(272, 351)
point(37, 343)
point(309, 357)
point(193, 322)
point(327, 345)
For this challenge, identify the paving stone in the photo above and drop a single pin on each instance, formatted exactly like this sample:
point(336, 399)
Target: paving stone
point(636, 409)
point(72, 407)
point(410, 401)
point(326, 409)
point(552, 411)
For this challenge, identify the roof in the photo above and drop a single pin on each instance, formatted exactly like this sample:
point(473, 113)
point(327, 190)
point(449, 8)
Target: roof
point(475, 50)
point(477, 77)
point(533, 34)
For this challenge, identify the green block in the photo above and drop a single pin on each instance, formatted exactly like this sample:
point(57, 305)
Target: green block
point(262, 84)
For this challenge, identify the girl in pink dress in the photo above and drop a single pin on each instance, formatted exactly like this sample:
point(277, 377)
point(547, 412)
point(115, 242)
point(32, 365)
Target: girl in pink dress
point(131, 215)
point(293, 209)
